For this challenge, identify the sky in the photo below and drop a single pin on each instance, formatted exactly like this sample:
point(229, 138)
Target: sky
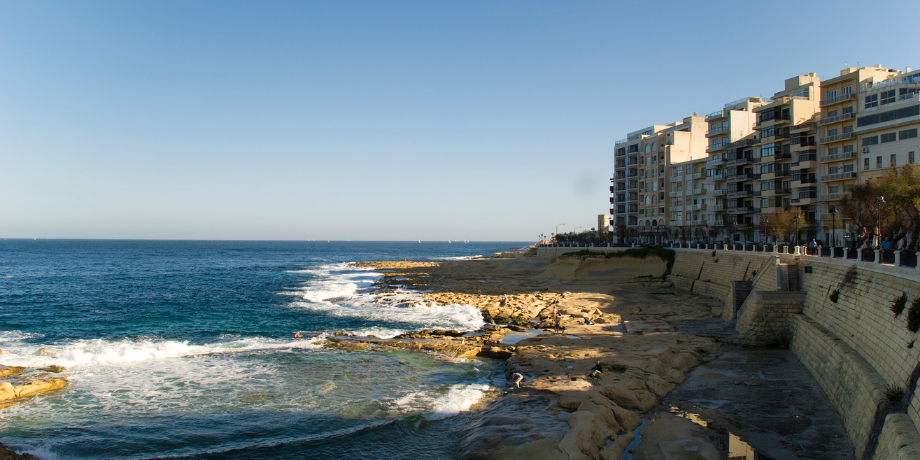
point(396, 120)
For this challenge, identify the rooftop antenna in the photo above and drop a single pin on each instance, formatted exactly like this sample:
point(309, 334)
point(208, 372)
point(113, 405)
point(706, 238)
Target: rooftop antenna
point(847, 64)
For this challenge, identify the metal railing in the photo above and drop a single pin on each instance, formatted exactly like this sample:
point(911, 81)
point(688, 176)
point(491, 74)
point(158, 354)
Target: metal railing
point(836, 99)
point(828, 120)
point(839, 176)
point(837, 156)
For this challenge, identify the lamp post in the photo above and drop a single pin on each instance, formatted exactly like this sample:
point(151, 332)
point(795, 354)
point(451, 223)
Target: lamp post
point(796, 219)
point(834, 226)
point(764, 225)
point(878, 220)
point(557, 228)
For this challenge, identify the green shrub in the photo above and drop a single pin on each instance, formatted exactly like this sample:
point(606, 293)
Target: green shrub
point(894, 393)
point(913, 316)
point(897, 306)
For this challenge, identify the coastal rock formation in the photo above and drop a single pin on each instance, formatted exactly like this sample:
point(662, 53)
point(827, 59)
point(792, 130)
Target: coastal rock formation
point(22, 383)
point(7, 454)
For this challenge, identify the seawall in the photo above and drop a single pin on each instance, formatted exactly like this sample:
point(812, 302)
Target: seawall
point(844, 332)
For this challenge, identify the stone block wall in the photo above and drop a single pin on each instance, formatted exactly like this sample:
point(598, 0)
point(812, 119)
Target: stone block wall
point(848, 381)
point(702, 272)
point(766, 317)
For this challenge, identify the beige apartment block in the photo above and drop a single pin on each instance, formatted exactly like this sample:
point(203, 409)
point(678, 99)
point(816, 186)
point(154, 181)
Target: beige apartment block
point(838, 154)
point(687, 198)
point(639, 192)
point(730, 148)
point(785, 145)
point(888, 122)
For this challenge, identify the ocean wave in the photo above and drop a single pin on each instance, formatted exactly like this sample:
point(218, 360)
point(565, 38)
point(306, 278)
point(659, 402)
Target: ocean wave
point(105, 352)
point(458, 399)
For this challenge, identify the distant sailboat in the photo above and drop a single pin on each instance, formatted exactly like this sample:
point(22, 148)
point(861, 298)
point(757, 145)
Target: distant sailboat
point(419, 241)
point(448, 241)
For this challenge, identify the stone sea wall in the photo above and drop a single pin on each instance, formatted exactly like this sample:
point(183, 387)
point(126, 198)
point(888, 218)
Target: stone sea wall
point(846, 334)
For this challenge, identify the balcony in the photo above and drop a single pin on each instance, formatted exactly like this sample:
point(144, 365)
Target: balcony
point(742, 143)
point(675, 194)
point(718, 207)
point(717, 130)
point(621, 141)
point(809, 125)
point(742, 161)
point(838, 176)
point(698, 191)
point(699, 207)
point(698, 175)
point(829, 120)
point(783, 191)
point(697, 222)
point(836, 99)
point(742, 177)
point(675, 178)
point(719, 176)
point(718, 192)
point(716, 147)
point(632, 198)
point(739, 193)
point(714, 115)
point(741, 210)
point(836, 137)
point(837, 156)
point(832, 196)
point(715, 161)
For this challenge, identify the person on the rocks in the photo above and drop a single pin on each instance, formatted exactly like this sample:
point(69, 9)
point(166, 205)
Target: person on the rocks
point(504, 300)
point(587, 321)
point(516, 379)
point(558, 328)
point(298, 335)
point(596, 371)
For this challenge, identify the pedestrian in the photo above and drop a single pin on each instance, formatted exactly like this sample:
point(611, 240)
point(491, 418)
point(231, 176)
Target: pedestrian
point(596, 371)
point(516, 379)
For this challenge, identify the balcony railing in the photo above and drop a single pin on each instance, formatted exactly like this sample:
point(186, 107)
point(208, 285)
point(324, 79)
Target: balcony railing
point(621, 141)
point(741, 210)
point(716, 146)
point(674, 194)
point(716, 130)
point(699, 207)
point(718, 192)
point(719, 176)
point(719, 114)
point(836, 99)
point(739, 193)
point(697, 191)
point(715, 160)
point(698, 175)
point(838, 156)
point(810, 155)
point(675, 178)
point(839, 176)
point(806, 125)
point(831, 196)
point(829, 120)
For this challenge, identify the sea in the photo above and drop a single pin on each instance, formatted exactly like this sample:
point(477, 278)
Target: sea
point(185, 350)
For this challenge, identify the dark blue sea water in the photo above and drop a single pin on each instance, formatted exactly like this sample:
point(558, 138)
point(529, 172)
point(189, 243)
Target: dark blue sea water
point(185, 349)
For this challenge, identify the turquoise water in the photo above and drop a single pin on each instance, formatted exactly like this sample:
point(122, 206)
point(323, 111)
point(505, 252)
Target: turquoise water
point(180, 349)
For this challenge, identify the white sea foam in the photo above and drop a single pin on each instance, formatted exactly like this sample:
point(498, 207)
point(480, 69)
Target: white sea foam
point(458, 399)
point(105, 352)
point(343, 290)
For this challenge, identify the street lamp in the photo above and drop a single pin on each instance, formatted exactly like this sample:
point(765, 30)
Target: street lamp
point(796, 219)
point(878, 220)
point(557, 228)
point(764, 226)
point(834, 226)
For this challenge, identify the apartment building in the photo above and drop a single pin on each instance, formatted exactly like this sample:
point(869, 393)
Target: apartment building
point(838, 159)
point(687, 200)
point(786, 147)
point(888, 122)
point(731, 136)
point(639, 184)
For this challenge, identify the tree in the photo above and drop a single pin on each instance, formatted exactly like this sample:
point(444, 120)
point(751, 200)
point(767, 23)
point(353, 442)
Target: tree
point(782, 224)
point(622, 233)
point(898, 218)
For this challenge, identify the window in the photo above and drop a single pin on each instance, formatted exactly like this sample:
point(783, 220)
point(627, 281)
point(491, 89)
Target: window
point(890, 115)
point(904, 93)
point(713, 126)
point(849, 168)
point(766, 132)
point(894, 161)
point(833, 169)
point(832, 94)
point(648, 148)
point(847, 129)
point(767, 150)
point(878, 162)
point(833, 189)
point(866, 164)
point(848, 148)
point(888, 97)
point(910, 157)
point(764, 202)
point(908, 134)
point(872, 101)
point(832, 151)
point(832, 114)
point(725, 124)
point(847, 110)
point(872, 140)
point(832, 132)
point(847, 90)
point(889, 137)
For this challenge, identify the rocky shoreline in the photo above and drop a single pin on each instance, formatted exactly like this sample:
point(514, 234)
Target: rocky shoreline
point(568, 413)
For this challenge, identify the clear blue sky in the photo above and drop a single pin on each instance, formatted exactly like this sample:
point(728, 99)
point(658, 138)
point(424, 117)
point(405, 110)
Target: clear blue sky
point(377, 120)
